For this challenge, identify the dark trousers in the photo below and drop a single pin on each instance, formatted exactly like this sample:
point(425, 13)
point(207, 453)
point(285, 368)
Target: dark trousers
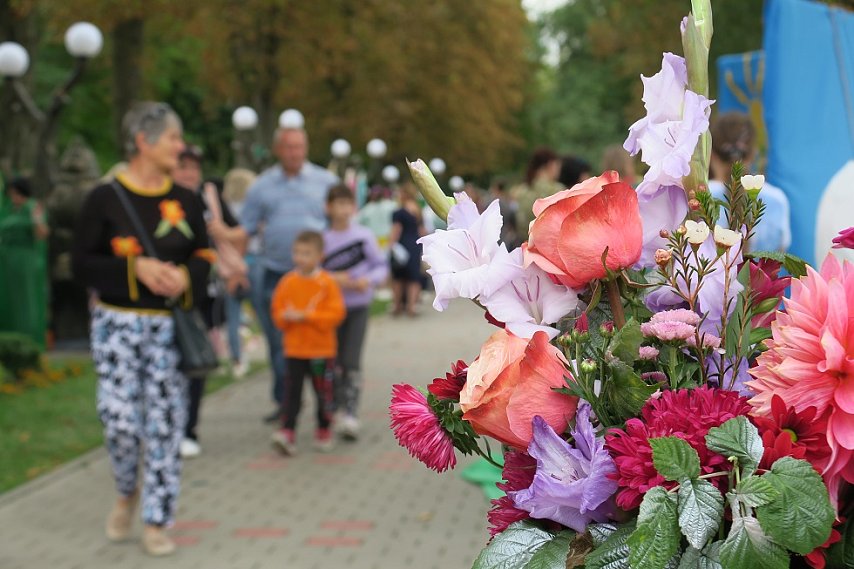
point(348, 375)
point(197, 390)
point(267, 281)
point(320, 371)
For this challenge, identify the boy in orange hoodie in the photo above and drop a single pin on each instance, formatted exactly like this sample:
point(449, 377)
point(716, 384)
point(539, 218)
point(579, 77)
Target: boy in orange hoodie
point(307, 306)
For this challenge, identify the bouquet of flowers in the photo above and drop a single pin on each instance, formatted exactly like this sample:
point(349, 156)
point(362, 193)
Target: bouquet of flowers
point(655, 403)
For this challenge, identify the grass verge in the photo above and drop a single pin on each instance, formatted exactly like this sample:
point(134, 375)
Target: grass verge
point(45, 427)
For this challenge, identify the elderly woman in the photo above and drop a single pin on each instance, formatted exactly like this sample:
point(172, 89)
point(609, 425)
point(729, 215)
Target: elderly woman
point(141, 394)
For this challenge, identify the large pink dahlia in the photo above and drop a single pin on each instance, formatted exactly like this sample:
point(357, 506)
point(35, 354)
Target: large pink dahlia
point(810, 360)
point(418, 430)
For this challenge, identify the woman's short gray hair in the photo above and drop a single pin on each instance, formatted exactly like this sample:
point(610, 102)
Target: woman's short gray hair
point(149, 118)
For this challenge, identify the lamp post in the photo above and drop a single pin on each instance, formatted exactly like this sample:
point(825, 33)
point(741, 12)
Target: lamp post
point(244, 119)
point(376, 150)
point(340, 150)
point(291, 118)
point(391, 174)
point(456, 183)
point(83, 41)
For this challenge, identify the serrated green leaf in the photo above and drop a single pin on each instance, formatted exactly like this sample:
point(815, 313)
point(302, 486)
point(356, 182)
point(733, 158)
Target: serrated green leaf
point(701, 507)
point(626, 342)
point(747, 547)
point(802, 516)
point(513, 548)
point(841, 554)
point(600, 533)
point(755, 491)
point(553, 554)
point(674, 458)
point(656, 537)
point(738, 438)
point(793, 264)
point(624, 391)
point(613, 553)
point(708, 558)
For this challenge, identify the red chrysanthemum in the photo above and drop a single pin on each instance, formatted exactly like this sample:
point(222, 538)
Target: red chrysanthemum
point(519, 470)
point(687, 414)
point(817, 558)
point(418, 430)
point(786, 432)
point(449, 387)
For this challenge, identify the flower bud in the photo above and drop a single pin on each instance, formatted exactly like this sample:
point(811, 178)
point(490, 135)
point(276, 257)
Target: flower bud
point(693, 204)
point(429, 188)
point(662, 257)
point(681, 230)
point(606, 330)
point(565, 340)
point(588, 366)
point(582, 325)
point(664, 234)
point(692, 194)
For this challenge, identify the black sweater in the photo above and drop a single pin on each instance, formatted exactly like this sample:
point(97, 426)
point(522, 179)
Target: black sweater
point(105, 243)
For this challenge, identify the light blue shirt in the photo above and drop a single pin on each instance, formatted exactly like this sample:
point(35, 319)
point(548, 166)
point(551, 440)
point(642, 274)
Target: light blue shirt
point(284, 206)
point(774, 232)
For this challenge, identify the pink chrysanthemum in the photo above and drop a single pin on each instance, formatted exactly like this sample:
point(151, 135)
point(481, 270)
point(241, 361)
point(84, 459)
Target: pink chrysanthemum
point(709, 341)
point(677, 315)
point(518, 474)
point(687, 414)
point(418, 430)
point(668, 330)
point(648, 352)
point(810, 361)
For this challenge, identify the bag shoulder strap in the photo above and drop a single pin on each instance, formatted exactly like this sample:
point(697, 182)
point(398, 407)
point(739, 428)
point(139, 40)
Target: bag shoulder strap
point(142, 234)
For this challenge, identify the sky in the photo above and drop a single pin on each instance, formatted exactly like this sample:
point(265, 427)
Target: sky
point(536, 7)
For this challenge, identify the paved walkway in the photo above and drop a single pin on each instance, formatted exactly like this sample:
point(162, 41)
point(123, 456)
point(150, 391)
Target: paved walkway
point(367, 505)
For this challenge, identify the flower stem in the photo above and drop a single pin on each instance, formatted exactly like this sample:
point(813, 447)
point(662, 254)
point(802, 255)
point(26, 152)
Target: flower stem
point(488, 455)
point(616, 303)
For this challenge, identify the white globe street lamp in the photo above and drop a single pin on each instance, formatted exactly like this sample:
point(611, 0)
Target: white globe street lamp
point(456, 183)
point(391, 174)
point(437, 166)
point(244, 118)
point(340, 149)
point(14, 59)
point(377, 148)
point(84, 40)
point(291, 118)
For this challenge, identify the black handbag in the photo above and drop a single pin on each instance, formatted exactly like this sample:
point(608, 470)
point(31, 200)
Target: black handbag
point(198, 357)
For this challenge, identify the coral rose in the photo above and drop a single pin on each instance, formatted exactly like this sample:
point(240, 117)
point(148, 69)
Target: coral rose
point(574, 227)
point(512, 381)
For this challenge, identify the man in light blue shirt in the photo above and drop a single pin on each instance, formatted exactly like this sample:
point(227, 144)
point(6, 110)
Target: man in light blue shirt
point(734, 140)
point(285, 200)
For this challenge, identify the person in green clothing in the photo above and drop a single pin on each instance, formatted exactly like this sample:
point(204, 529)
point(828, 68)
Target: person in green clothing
point(540, 182)
point(23, 263)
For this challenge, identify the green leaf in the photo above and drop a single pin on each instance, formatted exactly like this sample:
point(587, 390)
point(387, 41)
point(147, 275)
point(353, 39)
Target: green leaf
point(613, 553)
point(802, 516)
point(708, 558)
point(674, 458)
point(738, 438)
point(514, 547)
point(759, 334)
point(701, 507)
point(841, 553)
point(600, 533)
point(626, 342)
point(625, 392)
point(793, 264)
point(656, 538)
point(163, 228)
point(755, 491)
point(553, 554)
point(747, 547)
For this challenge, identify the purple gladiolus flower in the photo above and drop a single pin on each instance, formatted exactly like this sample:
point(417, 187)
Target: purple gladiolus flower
point(466, 260)
point(661, 207)
point(572, 484)
point(530, 301)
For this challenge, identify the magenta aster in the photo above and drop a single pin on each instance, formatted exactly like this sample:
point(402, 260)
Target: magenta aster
point(418, 430)
point(687, 414)
point(519, 470)
point(449, 387)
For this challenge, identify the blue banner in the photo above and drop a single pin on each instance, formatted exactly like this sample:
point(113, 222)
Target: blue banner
point(741, 77)
point(808, 102)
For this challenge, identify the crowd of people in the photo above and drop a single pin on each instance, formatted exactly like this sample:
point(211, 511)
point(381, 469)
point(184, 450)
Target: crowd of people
point(292, 243)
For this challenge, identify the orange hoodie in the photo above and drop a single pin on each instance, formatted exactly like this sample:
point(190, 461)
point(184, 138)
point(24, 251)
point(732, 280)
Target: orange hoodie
point(320, 298)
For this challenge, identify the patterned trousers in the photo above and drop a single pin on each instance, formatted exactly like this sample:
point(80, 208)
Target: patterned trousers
point(141, 403)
